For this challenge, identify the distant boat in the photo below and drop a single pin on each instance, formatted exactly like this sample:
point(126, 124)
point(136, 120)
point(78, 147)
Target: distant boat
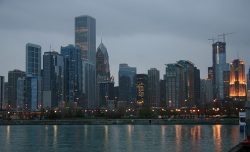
point(242, 120)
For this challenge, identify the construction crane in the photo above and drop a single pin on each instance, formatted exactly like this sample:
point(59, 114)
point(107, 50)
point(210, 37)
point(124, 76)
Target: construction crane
point(226, 34)
point(214, 39)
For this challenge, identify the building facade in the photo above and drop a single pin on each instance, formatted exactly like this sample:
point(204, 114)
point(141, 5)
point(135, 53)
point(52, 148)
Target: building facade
point(188, 82)
point(174, 86)
point(206, 91)
point(53, 79)
point(142, 91)
point(154, 87)
point(196, 86)
point(12, 87)
point(72, 74)
point(127, 85)
point(33, 68)
point(85, 39)
point(237, 79)
point(102, 63)
point(1, 92)
point(163, 102)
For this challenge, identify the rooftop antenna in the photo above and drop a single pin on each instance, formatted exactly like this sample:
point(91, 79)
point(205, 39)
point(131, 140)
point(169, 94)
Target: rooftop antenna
point(225, 35)
point(50, 48)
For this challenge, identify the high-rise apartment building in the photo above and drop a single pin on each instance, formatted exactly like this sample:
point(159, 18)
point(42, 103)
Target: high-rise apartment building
point(127, 85)
point(197, 80)
point(142, 91)
point(248, 85)
point(174, 86)
point(188, 82)
point(72, 74)
point(206, 91)
point(33, 69)
point(226, 83)
point(163, 93)
point(12, 87)
point(85, 39)
point(1, 92)
point(237, 79)
point(154, 87)
point(53, 79)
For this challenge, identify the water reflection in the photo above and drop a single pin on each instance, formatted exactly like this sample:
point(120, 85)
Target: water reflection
point(8, 136)
point(119, 138)
point(217, 136)
point(55, 136)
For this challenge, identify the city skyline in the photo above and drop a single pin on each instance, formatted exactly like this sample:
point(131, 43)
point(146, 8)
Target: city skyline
point(130, 36)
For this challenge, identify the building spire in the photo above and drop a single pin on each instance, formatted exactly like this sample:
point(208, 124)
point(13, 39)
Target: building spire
point(101, 40)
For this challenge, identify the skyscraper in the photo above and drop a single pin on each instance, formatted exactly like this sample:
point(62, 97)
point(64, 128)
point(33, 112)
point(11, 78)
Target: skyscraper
point(33, 68)
point(188, 82)
point(1, 92)
point(154, 87)
point(102, 63)
point(127, 85)
point(174, 86)
point(219, 65)
point(72, 74)
point(12, 87)
point(163, 93)
point(206, 91)
point(237, 79)
point(53, 79)
point(85, 38)
point(142, 91)
point(197, 80)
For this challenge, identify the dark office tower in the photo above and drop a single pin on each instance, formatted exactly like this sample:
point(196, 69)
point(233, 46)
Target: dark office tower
point(174, 86)
point(226, 82)
point(197, 81)
point(163, 93)
point(248, 86)
point(219, 65)
point(5, 95)
point(12, 87)
point(237, 79)
point(33, 68)
point(154, 87)
point(142, 91)
point(188, 82)
point(102, 63)
point(106, 93)
point(127, 85)
point(72, 74)
point(85, 38)
point(1, 92)
point(206, 91)
point(53, 79)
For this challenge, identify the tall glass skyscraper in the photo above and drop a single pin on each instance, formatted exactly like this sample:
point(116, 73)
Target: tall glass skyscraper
point(219, 65)
point(142, 91)
point(53, 79)
point(73, 74)
point(33, 69)
point(85, 39)
point(127, 85)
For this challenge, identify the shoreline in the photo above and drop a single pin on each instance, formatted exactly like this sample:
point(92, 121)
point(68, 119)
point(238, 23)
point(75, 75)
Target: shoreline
point(124, 122)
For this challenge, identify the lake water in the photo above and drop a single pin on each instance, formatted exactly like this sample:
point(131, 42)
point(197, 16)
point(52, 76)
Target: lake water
point(119, 138)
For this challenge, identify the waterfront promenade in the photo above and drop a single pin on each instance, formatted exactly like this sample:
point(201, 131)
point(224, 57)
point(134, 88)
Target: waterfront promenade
point(123, 122)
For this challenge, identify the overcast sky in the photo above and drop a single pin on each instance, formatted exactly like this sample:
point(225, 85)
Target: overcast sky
point(142, 33)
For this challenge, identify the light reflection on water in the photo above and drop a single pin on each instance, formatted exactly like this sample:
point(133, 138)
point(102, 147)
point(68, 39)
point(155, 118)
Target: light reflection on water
point(119, 137)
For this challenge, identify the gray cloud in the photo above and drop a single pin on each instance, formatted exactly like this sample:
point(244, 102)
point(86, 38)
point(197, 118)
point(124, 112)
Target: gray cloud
point(162, 31)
